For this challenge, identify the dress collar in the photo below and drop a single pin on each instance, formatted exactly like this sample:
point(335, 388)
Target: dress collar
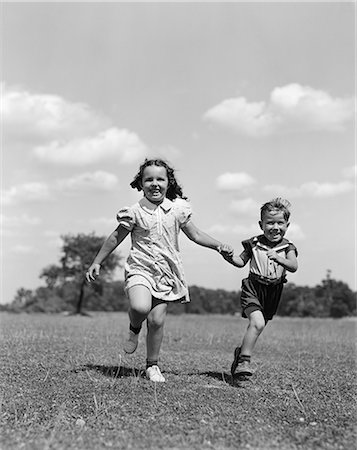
point(149, 207)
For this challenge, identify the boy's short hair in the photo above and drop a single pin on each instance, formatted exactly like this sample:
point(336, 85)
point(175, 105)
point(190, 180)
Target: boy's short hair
point(276, 204)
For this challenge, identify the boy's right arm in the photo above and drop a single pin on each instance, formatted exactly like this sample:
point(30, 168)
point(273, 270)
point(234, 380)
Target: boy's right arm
point(109, 245)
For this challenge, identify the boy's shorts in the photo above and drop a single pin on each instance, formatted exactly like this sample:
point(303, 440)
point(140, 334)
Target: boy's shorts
point(256, 296)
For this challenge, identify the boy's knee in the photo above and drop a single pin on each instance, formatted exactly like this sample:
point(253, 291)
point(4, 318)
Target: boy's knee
point(256, 319)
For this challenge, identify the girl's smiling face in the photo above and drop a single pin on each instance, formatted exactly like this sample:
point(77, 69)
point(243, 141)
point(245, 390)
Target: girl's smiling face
point(274, 225)
point(155, 183)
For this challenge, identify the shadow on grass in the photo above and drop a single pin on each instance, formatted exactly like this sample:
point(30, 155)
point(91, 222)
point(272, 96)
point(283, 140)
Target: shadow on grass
point(237, 381)
point(112, 371)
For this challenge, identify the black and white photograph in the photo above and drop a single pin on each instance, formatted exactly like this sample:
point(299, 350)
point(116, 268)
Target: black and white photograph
point(178, 225)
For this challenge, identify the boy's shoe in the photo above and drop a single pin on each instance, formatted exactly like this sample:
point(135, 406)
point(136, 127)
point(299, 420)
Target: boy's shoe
point(153, 374)
point(244, 368)
point(235, 361)
point(131, 343)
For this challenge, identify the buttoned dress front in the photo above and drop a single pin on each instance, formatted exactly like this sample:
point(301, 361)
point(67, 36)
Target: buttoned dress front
point(154, 259)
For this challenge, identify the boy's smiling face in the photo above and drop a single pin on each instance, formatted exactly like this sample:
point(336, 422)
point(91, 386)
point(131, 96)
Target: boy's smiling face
point(274, 225)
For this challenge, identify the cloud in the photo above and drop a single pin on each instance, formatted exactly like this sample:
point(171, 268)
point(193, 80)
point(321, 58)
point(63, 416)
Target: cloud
point(14, 226)
point(96, 181)
point(234, 181)
point(62, 132)
point(291, 108)
point(246, 231)
point(295, 233)
point(245, 206)
point(312, 189)
point(19, 221)
point(27, 192)
point(242, 230)
point(112, 144)
point(41, 117)
point(24, 249)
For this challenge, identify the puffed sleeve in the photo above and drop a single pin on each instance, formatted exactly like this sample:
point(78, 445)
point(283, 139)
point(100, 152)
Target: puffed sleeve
point(126, 218)
point(184, 211)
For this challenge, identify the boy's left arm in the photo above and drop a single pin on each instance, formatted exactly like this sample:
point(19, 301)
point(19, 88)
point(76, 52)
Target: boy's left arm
point(289, 262)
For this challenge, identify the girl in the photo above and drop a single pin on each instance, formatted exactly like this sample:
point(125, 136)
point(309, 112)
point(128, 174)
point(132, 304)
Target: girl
point(154, 274)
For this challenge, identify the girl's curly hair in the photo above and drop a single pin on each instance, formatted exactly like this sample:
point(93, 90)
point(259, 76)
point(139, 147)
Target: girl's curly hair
point(174, 189)
point(276, 204)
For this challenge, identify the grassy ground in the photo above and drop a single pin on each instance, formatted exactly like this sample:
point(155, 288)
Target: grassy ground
point(66, 385)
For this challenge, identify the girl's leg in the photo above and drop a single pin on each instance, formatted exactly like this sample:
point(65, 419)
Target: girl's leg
point(140, 303)
point(255, 327)
point(155, 323)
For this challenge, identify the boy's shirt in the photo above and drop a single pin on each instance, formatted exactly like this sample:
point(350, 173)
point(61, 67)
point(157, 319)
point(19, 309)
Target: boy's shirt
point(255, 251)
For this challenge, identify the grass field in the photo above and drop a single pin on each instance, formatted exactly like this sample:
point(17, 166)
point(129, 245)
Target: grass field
point(66, 385)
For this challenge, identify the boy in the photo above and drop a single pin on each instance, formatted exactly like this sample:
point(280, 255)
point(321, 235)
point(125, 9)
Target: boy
point(270, 256)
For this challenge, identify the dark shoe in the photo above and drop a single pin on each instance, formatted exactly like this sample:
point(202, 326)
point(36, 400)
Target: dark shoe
point(131, 343)
point(244, 369)
point(235, 361)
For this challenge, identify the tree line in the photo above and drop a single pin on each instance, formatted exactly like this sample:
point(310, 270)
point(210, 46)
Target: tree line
point(66, 290)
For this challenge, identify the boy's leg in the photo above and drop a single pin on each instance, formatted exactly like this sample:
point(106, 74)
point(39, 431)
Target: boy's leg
point(255, 327)
point(242, 354)
point(155, 333)
point(140, 302)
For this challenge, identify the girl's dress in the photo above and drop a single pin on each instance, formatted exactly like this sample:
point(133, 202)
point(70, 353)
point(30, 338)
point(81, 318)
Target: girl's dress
point(154, 260)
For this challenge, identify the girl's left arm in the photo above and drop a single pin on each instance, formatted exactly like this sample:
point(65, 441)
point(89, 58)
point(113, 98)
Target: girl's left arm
point(199, 237)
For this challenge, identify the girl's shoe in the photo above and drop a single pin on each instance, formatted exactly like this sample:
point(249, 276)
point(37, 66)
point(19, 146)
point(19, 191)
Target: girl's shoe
point(153, 374)
point(131, 343)
point(235, 361)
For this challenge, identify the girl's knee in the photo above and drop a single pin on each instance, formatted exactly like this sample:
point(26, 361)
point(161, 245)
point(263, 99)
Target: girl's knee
point(155, 322)
point(140, 309)
point(156, 318)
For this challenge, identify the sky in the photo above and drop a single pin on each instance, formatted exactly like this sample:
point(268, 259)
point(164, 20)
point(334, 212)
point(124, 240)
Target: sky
point(247, 101)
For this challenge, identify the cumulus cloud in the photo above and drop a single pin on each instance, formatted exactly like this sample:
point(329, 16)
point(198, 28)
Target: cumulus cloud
point(312, 189)
point(24, 249)
point(27, 192)
point(19, 221)
point(290, 108)
point(234, 181)
point(62, 132)
point(112, 144)
point(294, 233)
point(28, 115)
point(96, 181)
point(241, 230)
point(245, 206)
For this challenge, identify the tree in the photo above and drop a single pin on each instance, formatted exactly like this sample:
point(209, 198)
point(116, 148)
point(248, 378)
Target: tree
point(78, 252)
point(339, 299)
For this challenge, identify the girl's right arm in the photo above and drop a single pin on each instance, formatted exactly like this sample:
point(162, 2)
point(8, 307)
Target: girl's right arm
point(109, 245)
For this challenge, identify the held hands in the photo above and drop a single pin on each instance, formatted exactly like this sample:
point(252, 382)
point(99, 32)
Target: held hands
point(93, 272)
point(226, 251)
